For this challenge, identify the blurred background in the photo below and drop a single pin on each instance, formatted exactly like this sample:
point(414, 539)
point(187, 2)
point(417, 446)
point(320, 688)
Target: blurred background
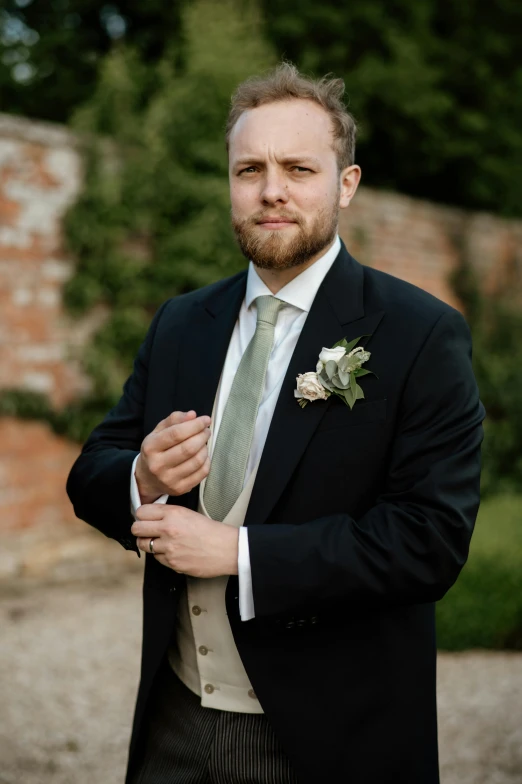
point(114, 196)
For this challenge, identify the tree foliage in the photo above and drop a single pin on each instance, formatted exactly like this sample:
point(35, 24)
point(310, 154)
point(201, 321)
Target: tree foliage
point(51, 50)
point(484, 608)
point(437, 88)
point(496, 325)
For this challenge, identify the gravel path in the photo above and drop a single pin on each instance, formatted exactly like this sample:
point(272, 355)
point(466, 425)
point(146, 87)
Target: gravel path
point(68, 677)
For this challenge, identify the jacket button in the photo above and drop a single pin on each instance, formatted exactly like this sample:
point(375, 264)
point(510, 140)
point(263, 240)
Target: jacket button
point(290, 625)
point(172, 589)
point(209, 688)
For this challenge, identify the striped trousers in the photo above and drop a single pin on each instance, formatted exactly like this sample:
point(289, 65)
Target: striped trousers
point(183, 743)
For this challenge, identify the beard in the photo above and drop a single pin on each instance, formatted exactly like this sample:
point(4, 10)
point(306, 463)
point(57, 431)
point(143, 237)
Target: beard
point(273, 250)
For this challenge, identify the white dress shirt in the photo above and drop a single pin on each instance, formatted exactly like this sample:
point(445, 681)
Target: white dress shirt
point(298, 296)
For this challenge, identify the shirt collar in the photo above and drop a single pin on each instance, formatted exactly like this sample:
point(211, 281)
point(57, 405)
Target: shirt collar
point(301, 291)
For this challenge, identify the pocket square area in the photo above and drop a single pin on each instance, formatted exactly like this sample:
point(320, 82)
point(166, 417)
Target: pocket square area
point(364, 413)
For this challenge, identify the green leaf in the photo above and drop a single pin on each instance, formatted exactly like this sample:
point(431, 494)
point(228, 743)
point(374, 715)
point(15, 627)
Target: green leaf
point(349, 397)
point(325, 381)
point(354, 342)
point(363, 372)
point(341, 342)
point(349, 345)
point(353, 385)
point(330, 368)
point(344, 378)
point(359, 394)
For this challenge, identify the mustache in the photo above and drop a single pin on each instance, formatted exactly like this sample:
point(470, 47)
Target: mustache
point(261, 216)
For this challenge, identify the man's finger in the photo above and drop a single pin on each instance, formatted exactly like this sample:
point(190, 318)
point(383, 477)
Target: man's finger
point(146, 528)
point(174, 419)
point(144, 545)
point(191, 480)
point(177, 434)
point(188, 456)
point(151, 512)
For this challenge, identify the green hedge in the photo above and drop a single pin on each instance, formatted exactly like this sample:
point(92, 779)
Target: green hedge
point(484, 607)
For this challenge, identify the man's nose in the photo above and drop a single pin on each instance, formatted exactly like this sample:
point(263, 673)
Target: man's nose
point(274, 189)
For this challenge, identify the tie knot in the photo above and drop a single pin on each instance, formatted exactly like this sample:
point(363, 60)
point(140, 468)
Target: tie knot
point(267, 309)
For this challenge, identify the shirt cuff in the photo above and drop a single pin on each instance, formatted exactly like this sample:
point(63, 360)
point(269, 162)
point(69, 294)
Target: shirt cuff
point(135, 493)
point(246, 596)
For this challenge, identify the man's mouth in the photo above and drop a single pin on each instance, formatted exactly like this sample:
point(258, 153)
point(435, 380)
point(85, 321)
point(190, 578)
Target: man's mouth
point(274, 222)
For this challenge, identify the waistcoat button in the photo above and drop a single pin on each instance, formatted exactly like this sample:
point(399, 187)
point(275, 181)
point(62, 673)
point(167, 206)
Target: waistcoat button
point(203, 650)
point(196, 610)
point(209, 688)
point(252, 694)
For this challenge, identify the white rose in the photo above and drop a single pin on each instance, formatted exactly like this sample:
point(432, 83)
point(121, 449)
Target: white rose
point(309, 387)
point(333, 354)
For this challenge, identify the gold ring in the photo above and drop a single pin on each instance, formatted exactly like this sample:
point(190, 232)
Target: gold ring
point(151, 547)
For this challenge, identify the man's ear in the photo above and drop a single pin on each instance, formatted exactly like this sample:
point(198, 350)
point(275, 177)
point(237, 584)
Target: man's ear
point(350, 178)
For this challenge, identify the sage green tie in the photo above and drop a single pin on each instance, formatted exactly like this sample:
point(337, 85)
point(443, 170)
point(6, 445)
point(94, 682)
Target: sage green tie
point(230, 454)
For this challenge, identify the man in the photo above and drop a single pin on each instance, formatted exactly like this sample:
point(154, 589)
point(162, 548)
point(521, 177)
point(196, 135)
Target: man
point(291, 575)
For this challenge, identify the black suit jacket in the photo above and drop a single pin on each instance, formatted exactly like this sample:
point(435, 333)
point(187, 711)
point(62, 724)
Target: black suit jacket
point(358, 522)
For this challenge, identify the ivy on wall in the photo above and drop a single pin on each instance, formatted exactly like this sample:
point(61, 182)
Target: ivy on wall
point(153, 219)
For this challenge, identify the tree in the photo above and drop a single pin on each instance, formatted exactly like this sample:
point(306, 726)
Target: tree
point(436, 87)
point(50, 51)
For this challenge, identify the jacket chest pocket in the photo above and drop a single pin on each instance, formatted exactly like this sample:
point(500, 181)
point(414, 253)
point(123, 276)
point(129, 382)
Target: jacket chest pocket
point(364, 412)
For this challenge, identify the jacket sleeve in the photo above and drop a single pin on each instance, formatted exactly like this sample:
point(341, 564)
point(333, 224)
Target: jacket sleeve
point(410, 546)
point(99, 482)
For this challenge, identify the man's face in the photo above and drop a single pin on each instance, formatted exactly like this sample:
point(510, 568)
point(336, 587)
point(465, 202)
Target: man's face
point(285, 186)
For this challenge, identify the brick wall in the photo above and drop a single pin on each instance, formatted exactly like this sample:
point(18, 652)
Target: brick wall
point(40, 176)
point(423, 242)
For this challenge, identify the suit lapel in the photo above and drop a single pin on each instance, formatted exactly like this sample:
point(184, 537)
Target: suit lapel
point(204, 350)
point(337, 312)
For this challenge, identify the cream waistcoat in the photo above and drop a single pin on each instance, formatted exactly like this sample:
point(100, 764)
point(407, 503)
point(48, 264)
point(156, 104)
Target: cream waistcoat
point(206, 658)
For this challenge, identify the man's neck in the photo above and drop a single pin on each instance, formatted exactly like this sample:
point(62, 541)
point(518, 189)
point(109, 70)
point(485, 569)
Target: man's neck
point(275, 279)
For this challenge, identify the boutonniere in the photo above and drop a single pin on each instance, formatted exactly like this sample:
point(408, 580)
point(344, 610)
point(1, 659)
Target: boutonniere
point(336, 373)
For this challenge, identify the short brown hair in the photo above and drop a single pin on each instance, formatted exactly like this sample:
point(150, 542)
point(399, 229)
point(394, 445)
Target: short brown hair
point(284, 83)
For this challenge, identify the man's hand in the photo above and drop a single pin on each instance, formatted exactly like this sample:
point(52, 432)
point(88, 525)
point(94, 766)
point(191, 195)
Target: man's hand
point(187, 541)
point(174, 457)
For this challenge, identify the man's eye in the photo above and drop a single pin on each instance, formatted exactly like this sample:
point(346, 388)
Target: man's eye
point(301, 169)
point(248, 170)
